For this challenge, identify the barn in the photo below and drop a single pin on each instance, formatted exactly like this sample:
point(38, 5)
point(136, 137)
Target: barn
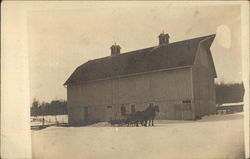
point(178, 77)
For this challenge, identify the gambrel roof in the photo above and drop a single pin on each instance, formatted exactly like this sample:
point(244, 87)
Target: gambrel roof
point(168, 56)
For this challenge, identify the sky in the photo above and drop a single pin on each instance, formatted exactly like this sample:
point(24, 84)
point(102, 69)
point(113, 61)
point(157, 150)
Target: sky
point(61, 38)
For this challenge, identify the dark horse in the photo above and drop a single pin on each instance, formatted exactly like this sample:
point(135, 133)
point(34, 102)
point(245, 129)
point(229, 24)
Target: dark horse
point(143, 117)
point(149, 114)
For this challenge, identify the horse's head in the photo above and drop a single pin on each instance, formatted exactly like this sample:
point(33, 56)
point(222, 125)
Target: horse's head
point(157, 108)
point(150, 107)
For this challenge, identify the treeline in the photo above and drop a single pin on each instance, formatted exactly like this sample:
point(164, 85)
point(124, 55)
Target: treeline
point(229, 92)
point(55, 107)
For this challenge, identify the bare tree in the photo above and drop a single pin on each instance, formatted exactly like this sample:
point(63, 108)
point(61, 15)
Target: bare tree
point(34, 107)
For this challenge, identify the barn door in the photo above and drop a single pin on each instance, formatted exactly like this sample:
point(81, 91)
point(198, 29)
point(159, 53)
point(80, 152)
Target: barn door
point(183, 110)
point(178, 113)
point(86, 114)
point(109, 113)
point(186, 110)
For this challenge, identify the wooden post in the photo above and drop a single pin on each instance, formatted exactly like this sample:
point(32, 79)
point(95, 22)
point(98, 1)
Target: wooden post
point(43, 119)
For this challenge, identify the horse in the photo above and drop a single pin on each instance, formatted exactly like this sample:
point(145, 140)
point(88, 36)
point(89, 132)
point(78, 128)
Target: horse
point(151, 115)
point(148, 115)
point(144, 116)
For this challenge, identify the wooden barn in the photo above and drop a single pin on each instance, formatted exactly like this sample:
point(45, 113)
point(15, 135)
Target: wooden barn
point(178, 77)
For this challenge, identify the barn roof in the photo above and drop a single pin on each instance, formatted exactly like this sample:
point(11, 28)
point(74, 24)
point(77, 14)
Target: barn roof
point(173, 55)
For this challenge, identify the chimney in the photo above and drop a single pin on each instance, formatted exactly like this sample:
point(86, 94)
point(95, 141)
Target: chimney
point(115, 50)
point(163, 39)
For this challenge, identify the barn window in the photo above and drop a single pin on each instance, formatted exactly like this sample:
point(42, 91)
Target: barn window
point(109, 106)
point(186, 101)
point(132, 108)
point(123, 110)
point(186, 105)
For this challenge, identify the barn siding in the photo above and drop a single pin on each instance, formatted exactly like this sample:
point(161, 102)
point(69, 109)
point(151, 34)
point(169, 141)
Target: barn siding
point(203, 82)
point(139, 90)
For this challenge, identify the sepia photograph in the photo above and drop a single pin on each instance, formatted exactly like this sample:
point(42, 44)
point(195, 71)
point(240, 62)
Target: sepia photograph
point(125, 79)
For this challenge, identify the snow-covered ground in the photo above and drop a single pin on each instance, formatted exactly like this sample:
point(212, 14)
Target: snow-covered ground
point(48, 119)
point(232, 104)
point(215, 136)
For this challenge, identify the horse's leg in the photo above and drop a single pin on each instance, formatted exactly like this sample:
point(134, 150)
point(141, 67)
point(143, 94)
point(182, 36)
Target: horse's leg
point(145, 122)
point(149, 121)
point(141, 122)
point(153, 122)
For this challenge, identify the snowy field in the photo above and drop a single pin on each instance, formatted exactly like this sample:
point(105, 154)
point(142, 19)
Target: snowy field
point(213, 137)
point(48, 119)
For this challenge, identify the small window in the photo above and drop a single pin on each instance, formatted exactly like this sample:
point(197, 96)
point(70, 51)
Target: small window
point(186, 101)
point(109, 106)
point(132, 108)
point(186, 105)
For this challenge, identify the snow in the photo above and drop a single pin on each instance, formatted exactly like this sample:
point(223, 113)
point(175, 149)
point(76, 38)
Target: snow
point(48, 119)
point(232, 104)
point(213, 137)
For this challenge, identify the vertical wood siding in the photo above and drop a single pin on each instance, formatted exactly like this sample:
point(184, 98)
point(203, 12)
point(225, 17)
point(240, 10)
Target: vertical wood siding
point(167, 89)
point(203, 82)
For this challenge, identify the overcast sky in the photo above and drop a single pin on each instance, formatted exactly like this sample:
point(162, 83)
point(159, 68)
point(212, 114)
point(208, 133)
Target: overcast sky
point(62, 38)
